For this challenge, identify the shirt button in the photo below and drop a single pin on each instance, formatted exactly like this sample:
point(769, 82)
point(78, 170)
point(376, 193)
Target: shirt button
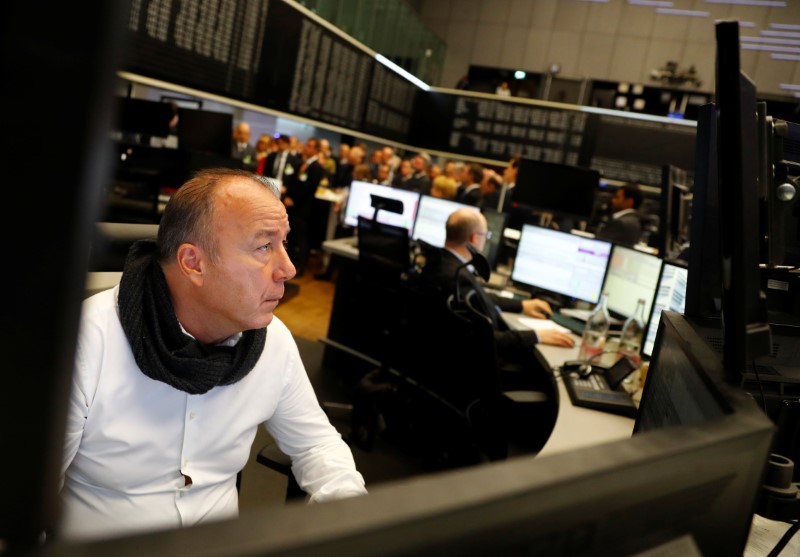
point(192, 415)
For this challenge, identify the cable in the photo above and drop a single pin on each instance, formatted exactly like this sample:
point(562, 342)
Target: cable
point(787, 536)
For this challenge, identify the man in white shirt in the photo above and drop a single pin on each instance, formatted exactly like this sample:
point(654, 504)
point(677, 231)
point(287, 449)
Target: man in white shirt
point(179, 365)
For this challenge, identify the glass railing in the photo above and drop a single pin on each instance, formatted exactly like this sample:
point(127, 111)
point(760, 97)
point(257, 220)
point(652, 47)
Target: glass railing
point(390, 27)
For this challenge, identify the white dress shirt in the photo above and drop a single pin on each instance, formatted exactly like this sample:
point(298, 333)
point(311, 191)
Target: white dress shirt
point(132, 443)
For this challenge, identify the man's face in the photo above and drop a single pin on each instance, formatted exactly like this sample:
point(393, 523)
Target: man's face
point(619, 202)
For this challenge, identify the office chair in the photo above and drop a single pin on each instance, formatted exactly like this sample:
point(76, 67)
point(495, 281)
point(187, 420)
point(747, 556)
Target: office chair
point(462, 367)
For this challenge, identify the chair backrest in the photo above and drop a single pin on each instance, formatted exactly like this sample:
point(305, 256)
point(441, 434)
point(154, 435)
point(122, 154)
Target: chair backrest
point(383, 250)
point(111, 243)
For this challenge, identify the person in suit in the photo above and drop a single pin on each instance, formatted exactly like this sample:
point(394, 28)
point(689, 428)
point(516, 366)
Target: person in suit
point(466, 226)
point(282, 164)
point(263, 150)
point(470, 190)
point(625, 225)
point(299, 199)
point(241, 149)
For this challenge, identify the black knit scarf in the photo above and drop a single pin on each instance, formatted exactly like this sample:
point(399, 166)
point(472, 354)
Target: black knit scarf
point(162, 350)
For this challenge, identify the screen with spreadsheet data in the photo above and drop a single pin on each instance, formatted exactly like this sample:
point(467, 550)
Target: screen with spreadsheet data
point(432, 217)
point(567, 264)
point(632, 274)
point(670, 296)
point(359, 203)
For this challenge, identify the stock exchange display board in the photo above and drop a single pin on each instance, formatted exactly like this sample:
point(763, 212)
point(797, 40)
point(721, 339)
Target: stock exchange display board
point(268, 53)
point(272, 54)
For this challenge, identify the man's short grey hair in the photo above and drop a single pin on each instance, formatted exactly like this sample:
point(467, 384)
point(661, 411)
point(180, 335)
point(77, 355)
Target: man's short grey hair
point(272, 184)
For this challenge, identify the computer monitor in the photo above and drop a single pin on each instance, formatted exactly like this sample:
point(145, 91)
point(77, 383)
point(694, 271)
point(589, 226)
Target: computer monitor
point(685, 483)
point(432, 217)
point(144, 117)
point(359, 203)
point(674, 211)
point(560, 189)
point(496, 221)
point(205, 131)
point(632, 274)
point(670, 296)
point(562, 263)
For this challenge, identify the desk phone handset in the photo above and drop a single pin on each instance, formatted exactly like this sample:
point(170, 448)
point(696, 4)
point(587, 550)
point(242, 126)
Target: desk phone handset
point(580, 367)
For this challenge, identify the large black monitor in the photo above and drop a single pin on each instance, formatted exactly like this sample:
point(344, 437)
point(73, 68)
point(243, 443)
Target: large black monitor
point(141, 116)
point(205, 131)
point(685, 483)
point(561, 263)
point(561, 189)
point(744, 312)
point(632, 274)
point(359, 203)
point(674, 211)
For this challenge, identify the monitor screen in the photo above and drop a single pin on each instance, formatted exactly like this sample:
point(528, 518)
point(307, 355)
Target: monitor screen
point(556, 188)
point(144, 117)
point(359, 203)
point(632, 274)
point(497, 225)
point(432, 217)
point(560, 262)
point(205, 131)
point(670, 296)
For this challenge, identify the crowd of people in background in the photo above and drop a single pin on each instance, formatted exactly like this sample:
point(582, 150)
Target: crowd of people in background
point(302, 167)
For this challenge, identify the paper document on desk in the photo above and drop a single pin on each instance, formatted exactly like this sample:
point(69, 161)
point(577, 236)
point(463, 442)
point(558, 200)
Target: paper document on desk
point(541, 324)
point(764, 535)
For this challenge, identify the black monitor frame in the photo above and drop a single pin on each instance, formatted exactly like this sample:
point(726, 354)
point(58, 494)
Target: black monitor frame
point(747, 334)
point(561, 189)
point(144, 117)
point(673, 217)
point(205, 131)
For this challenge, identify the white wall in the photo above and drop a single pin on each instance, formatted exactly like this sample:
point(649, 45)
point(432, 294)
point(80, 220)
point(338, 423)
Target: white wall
point(612, 40)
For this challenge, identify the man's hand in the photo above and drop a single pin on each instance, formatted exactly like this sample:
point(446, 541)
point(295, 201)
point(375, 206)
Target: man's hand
point(556, 338)
point(537, 308)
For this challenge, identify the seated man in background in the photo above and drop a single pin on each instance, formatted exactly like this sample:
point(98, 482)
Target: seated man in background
point(178, 366)
point(625, 225)
point(465, 226)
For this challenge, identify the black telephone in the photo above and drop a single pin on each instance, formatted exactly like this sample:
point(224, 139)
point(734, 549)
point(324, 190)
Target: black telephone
point(598, 387)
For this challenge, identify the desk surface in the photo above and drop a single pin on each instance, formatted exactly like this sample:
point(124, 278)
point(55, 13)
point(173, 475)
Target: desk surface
point(575, 427)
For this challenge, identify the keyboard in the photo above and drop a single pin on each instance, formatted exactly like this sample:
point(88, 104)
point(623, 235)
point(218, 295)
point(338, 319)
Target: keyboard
point(571, 323)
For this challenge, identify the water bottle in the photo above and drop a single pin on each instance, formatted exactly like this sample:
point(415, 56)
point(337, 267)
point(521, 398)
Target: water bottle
point(630, 341)
point(595, 332)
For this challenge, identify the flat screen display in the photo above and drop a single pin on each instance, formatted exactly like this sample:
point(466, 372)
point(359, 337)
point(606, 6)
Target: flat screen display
point(205, 131)
point(432, 217)
point(560, 262)
point(632, 274)
point(670, 296)
point(556, 188)
point(359, 203)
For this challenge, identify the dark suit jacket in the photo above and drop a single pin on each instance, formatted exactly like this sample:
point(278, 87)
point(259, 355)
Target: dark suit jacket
point(626, 229)
point(443, 273)
point(471, 197)
point(291, 168)
point(303, 187)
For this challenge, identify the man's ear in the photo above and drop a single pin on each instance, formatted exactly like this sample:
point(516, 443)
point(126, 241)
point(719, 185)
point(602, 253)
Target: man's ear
point(191, 262)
